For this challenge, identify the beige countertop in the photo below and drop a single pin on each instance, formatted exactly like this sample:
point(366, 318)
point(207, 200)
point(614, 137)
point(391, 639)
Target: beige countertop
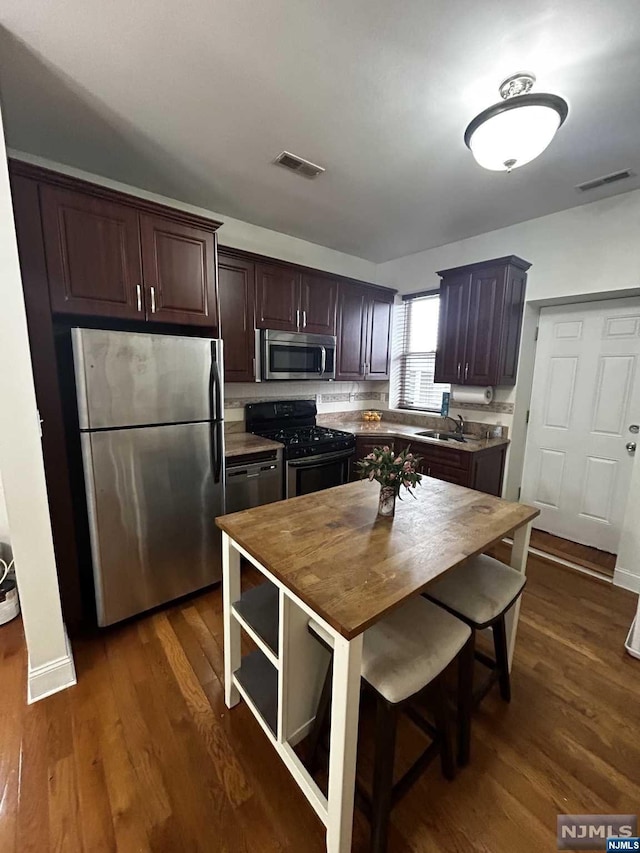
point(241, 443)
point(389, 429)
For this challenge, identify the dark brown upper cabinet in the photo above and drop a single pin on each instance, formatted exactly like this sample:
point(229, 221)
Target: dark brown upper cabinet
point(481, 308)
point(353, 305)
point(364, 332)
point(379, 335)
point(318, 296)
point(294, 301)
point(92, 248)
point(113, 255)
point(277, 289)
point(236, 278)
point(452, 328)
point(179, 272)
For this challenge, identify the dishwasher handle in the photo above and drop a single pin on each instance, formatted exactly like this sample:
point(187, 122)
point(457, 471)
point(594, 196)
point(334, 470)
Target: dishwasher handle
point(250, 471)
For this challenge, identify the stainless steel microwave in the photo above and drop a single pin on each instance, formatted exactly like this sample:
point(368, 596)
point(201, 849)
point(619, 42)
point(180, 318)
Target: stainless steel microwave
point(296, 355)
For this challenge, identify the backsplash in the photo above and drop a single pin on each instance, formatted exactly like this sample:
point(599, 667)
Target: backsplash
point(330, 397)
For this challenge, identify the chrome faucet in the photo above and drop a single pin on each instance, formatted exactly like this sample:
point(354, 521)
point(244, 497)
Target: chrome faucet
point(459, 424)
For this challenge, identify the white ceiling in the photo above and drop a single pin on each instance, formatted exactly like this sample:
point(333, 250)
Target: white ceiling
point(195, 99)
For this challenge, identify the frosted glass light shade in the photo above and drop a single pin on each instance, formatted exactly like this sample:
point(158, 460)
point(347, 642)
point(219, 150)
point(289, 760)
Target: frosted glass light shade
point(513, 133)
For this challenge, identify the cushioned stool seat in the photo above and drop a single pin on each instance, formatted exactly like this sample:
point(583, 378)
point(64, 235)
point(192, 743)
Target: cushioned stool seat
point(478, 590)
point(481, 592)
point(406, 652)
point(407, 649)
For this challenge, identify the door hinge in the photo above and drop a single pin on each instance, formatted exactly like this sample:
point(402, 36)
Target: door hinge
point(537, 333)
point(528, 413)
point(519, 492)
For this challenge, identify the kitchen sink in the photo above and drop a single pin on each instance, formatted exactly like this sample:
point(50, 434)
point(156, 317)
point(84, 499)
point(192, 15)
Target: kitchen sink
point(445, 436)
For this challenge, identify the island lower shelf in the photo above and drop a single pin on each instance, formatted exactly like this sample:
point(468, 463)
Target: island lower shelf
point(257, 680)
point(258, 611)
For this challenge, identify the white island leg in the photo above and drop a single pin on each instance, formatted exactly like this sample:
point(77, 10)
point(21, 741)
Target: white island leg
point(231, 591)
point(345, 705)
point(519, 555)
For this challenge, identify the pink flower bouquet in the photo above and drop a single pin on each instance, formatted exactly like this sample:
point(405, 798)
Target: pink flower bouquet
point(391, 470)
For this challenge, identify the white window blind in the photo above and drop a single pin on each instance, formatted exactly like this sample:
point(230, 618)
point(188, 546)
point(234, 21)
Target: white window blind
point(417, 389)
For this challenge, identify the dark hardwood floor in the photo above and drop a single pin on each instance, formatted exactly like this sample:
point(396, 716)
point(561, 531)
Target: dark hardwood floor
point(143, 755)
point(574, 552)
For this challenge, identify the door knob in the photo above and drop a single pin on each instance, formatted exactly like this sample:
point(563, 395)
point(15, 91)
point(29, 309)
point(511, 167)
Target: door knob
point(631, 446)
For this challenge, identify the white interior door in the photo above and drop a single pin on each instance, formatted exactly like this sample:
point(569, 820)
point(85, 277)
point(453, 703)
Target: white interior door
point(586, 397)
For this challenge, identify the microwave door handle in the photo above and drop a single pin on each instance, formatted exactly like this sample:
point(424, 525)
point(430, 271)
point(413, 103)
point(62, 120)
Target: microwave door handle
point(323, 362)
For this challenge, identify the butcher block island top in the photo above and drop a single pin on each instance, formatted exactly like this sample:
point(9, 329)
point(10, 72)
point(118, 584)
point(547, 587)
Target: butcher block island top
point(350, 566)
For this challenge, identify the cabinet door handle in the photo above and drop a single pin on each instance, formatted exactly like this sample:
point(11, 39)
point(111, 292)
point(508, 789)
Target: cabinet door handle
point(153, 299)
point(428, 472)
point(297, 318)
point(304, 319)
point(139, 297)
point(459, 366)
point(466, 371)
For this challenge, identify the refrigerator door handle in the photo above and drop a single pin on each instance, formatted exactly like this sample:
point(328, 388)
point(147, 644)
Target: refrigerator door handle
point(216, 450)
point(215, 385)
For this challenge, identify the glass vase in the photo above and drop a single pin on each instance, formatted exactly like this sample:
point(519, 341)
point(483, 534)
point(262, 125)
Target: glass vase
point(387, 503)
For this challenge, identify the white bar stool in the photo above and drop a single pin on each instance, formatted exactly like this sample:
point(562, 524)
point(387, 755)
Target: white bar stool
point(481, 592)
point(403, 654)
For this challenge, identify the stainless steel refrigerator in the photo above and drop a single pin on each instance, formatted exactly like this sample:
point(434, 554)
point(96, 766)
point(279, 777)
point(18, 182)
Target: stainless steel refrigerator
point(151, 414)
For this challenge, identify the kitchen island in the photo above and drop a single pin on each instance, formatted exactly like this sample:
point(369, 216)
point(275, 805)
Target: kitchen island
point(327, 556)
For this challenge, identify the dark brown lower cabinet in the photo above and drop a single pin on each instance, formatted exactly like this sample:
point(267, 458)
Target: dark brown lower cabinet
point(482, 470)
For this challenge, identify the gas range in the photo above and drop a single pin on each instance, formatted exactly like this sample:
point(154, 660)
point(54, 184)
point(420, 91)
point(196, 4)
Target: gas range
point(293, 423)
point(311, 440)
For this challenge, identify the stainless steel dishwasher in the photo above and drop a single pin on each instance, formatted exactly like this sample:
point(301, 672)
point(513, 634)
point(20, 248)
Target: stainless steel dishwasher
point(253, 480)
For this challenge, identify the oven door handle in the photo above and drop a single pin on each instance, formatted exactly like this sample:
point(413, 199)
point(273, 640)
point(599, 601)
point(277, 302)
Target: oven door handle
point(323, 362)
point(317, 461)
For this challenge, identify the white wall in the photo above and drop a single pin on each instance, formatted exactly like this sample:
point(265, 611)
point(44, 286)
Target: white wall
point(4, 521)
point(22, 469)
point(627, 571)
point(234, 232)
point(588, 252)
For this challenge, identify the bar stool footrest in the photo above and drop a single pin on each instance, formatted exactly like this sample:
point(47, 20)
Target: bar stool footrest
point(486, 660)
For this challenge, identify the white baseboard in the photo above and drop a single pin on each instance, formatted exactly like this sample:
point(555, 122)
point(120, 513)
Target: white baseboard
point(626, 579)
point(51, 677)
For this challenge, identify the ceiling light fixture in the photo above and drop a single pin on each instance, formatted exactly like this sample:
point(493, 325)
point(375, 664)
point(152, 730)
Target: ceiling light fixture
point(517, 129)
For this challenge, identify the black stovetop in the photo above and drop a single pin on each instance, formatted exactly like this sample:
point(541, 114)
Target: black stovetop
point(292, 423)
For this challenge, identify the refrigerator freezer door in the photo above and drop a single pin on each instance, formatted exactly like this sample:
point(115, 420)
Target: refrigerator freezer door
point(130, 378)
point(152, 500)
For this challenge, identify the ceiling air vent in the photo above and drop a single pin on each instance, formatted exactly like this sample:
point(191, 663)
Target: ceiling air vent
point(299, 165)
point(604, 180)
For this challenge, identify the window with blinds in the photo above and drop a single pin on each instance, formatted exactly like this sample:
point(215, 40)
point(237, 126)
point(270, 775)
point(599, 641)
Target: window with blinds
point(417, 389)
